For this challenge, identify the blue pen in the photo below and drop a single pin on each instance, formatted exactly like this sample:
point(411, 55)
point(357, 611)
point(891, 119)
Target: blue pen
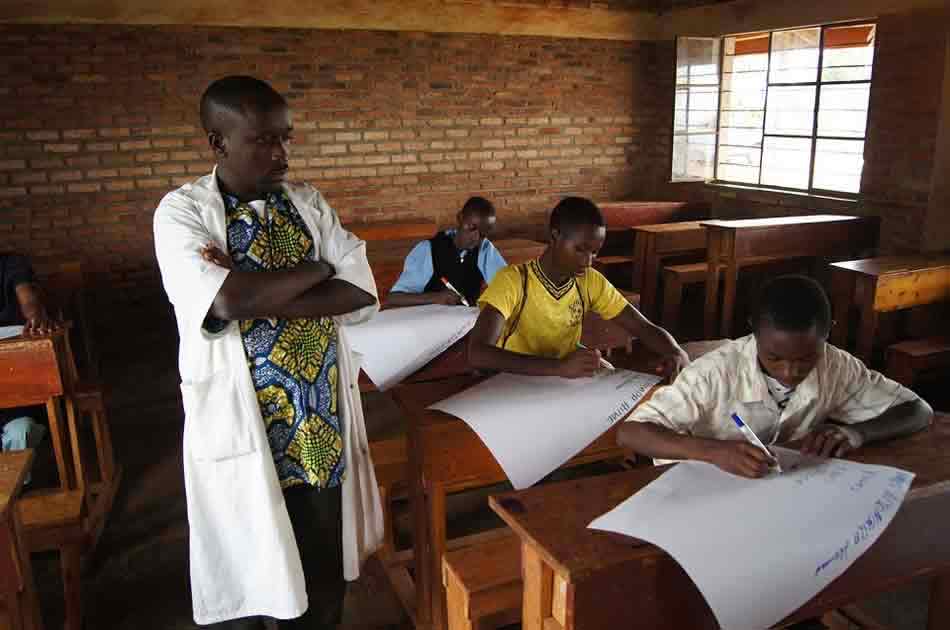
point(753, 439)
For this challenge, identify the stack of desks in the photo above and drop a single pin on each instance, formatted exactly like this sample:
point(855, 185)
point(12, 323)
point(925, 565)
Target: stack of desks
point(41, 371)
point(577, 578)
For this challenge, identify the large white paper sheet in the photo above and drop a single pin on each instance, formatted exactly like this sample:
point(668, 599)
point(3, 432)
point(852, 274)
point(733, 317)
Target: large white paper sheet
point(533, 424)
point(6, 332)
point(399, 341)
point(758, 549)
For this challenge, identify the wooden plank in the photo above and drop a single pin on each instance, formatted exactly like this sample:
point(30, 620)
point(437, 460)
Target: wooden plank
point(438, 16)
point(913, 288)
point(538, 589)
point(30, 371)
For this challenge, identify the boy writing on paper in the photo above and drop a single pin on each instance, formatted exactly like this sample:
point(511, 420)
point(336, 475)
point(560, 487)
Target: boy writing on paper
point(785, 382)
point(532, 314)
point(463, 256)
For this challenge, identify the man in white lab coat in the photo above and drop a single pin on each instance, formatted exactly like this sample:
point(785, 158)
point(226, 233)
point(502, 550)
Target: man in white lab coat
point(282, 499)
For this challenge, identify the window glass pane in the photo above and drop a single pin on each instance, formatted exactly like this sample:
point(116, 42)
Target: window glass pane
point(848, 53)
point(733, 137)
point(697, 60)
point(738, 164)
point(696, 108)
point(785, 162)
point(791, 110)
point(795, 56)
point(838, 165)
point(679, 110)
point(693, 156)
point(843, 110)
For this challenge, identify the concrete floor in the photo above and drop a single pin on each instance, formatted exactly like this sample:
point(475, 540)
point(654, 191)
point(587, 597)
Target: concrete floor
point(138, 580)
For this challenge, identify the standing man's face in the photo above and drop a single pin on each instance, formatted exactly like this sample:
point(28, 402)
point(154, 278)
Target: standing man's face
point(253, 154)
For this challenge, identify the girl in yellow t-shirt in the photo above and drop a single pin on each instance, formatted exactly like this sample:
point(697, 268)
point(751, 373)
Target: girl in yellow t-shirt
point(532, 314)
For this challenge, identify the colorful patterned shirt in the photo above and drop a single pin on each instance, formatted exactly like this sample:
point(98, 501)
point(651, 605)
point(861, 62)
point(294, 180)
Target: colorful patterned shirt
point(293, 362)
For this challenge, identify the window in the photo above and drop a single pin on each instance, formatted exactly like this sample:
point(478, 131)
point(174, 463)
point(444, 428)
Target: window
point(792, 110)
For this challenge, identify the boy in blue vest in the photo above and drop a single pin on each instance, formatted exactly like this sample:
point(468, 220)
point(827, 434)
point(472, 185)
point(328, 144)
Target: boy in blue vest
point(463, 256)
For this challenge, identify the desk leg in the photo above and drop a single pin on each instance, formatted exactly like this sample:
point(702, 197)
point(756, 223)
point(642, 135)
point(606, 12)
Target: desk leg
point(939, 615)
point(29, 602)
point(867, 324)
point(59, 443)
point(639, 255)
point(730, 279)
point(842, 293)
point(651, 272)
point(713, 253)
point(73, 429)
point(538, 598)
point(436, 508)
point(420, 536)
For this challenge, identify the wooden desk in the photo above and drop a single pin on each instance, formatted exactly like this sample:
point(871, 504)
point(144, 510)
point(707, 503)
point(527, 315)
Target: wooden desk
point(881, 285)
point(36, 371)
point(392, 230)
point(16, 573)
point(446, 456)
point(576, 578)
point(653, 244)
point(730, 242)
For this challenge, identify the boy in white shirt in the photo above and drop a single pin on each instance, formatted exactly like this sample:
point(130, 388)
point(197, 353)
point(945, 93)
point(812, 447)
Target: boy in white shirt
point(785, 381)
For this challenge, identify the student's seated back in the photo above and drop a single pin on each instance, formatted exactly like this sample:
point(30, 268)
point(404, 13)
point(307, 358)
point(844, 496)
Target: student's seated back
point(532, 313)
point(464, 256)
point(785, 382)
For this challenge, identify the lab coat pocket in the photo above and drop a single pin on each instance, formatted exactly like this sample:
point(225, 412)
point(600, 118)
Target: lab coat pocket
point(216, 421)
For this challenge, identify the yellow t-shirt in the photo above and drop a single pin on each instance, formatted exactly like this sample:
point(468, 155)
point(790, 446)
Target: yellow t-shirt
point(551, 318)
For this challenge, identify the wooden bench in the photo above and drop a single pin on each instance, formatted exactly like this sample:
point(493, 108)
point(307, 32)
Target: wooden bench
point(53, 520)
point(483, 584)
point(907, 359)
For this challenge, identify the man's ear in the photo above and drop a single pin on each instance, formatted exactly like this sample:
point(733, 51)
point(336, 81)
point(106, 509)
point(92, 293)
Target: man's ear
point(555, 234)
point(217, 143)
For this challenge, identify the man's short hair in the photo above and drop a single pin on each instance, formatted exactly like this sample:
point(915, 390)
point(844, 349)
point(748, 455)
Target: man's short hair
point(793, 303)
point(237, 94)
point(478, 207)
point(572, 213)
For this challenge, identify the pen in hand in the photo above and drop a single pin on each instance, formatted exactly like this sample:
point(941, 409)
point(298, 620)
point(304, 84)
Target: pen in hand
point(448, 285)
point(604, 363)
point(753, 439)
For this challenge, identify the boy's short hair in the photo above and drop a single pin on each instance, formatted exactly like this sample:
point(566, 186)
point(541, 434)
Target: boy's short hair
point(478, 207)
point(793, 303)
point(574, 212)
point(237, 94)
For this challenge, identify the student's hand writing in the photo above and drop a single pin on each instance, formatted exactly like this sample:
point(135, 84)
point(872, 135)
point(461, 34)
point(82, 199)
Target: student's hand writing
point(213, 254)
point(826, 442)
point(580, 364)
point(446, 297)
point(740, 458)
point(673, 364)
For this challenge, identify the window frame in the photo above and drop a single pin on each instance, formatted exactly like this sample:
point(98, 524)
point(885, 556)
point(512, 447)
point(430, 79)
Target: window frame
point(811, 190)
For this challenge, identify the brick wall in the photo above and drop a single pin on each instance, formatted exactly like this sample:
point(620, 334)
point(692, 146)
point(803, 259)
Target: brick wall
point(902, 129)
point(100, 122)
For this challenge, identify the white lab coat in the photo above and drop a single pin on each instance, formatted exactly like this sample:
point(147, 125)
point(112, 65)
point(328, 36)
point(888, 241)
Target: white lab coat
point(244, 559)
